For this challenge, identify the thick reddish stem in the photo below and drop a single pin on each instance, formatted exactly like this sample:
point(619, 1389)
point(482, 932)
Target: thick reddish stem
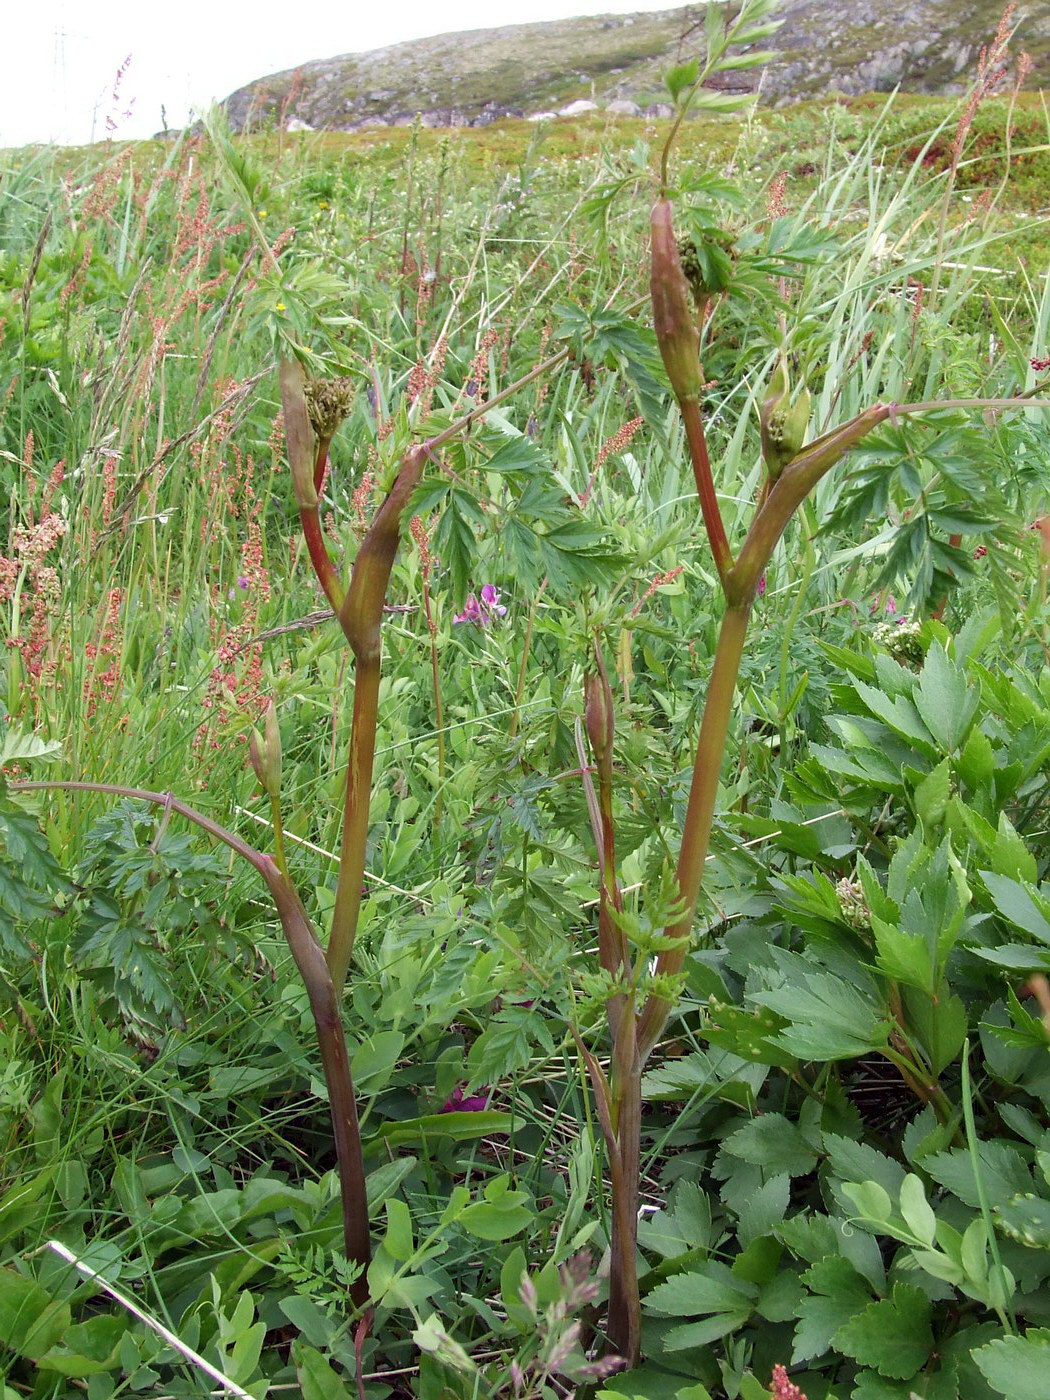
point(320, 558)
point(705, 486)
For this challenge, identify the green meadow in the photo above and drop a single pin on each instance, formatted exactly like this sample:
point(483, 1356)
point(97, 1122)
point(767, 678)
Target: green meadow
point(641, 1102)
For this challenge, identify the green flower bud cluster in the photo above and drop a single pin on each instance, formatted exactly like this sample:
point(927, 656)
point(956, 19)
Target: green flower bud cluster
point(783, 424)
point(707, 278)
point(328, 403)
point(854, 905)
point(694, 272)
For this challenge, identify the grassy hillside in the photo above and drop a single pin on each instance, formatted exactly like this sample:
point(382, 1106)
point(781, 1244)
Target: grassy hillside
point(848, 46)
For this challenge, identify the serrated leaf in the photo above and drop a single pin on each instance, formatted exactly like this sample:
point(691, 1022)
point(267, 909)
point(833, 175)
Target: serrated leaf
point(851, 1160)
point(893, 1336)
point(1020, 905)
point(1009, 854)
point(1017, 1367)
point(748, 1034)
point(904, 957)
point(702, 1334)
point(931, 798)
point(507, 1044)
point(829, 1019)
point(945, 702)
point(1004, 1172)
point(712, 1290)
point(838, 1294)
point(518, 454)
point(1026, 1219)
point(774, 1143)
point(22, 840)
point(898, 712)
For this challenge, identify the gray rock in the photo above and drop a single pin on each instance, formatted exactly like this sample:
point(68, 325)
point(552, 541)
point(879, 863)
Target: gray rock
point(579, 65)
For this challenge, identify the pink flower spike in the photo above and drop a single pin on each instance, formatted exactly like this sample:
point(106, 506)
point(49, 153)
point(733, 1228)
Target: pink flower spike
point(782, 1388)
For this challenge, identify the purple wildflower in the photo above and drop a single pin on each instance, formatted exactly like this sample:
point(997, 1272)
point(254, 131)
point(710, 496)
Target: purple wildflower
point(471, 612)
point(892, 615)
point(482, 611)
point(458, 1102)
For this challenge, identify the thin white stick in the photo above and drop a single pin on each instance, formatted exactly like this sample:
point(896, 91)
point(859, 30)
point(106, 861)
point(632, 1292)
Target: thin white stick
point(331, 855)
point(152, 1323)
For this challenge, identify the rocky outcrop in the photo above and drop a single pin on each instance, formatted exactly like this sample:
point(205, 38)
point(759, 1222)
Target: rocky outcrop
point(614, 64)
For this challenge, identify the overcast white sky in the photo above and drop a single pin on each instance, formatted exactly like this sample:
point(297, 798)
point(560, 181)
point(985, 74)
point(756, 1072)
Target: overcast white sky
point(62, 56)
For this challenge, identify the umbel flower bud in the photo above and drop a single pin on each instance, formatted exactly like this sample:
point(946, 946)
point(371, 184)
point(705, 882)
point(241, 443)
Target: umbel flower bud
point(598, 712)
point(264, 750)
point(782, 424)
point(676, 332)
point(693, 270)
point(328, 403)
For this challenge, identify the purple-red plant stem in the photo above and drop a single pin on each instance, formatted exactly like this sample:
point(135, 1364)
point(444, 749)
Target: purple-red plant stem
point(624, 1313)
point(624, 1320)
point(679, 343)
point(693, 422)
point(699, 819)
point(321, 560)
point(309, 958)
point(307, 465)
point(321, 462)
point(360, 618)
point(356, 804)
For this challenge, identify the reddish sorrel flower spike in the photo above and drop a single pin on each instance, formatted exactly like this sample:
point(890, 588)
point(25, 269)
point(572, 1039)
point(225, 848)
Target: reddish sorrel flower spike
point(782, 1388)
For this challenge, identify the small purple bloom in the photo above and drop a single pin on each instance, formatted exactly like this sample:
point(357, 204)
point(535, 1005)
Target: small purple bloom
point(471, 612)
point(242, 581)
point(481, 612)
point(458, 1102)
